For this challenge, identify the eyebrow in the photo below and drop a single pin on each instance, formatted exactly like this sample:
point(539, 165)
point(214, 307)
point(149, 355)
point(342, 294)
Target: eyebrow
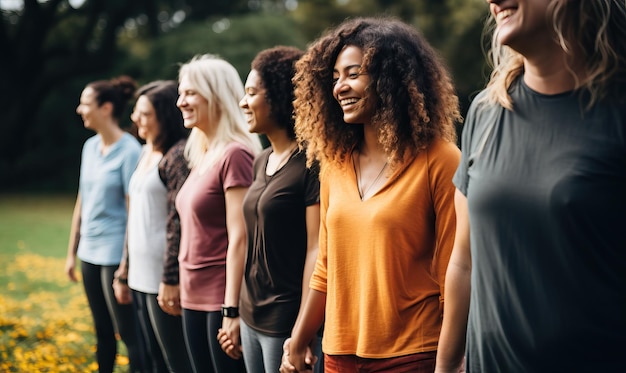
point(358, 66)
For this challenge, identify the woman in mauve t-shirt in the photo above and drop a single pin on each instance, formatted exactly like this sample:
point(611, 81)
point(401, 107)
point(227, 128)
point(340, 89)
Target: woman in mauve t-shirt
point(220, 151)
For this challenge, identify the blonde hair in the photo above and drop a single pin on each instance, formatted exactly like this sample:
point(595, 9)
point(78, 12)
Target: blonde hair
point(219, 83)
point(590, 31)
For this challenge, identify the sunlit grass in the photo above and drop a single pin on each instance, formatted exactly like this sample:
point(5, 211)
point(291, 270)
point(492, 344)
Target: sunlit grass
point(45, 323)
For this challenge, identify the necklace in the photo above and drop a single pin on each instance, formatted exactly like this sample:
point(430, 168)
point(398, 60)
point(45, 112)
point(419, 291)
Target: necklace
point(364, 191)
point(281, 161)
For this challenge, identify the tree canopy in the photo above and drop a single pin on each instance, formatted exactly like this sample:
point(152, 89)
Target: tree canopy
point(52, 48)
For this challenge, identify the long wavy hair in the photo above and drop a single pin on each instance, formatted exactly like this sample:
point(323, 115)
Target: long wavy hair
point(590, 31)
point(217, 81)
point(415, 98)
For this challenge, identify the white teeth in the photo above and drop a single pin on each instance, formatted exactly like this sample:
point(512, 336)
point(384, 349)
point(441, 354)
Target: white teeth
point(504, 14)
point(348, 101)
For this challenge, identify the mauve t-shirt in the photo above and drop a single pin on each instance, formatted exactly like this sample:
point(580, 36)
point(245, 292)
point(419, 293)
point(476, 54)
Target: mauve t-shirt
point(201, 205)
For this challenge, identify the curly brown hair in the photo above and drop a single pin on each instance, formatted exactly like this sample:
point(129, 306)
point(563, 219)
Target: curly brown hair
point(276, 67)
point(416, 100)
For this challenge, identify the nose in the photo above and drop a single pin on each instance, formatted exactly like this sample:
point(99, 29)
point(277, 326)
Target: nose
point(243, 103)
point(133, 116)
point(180, 101)
point(339, 86)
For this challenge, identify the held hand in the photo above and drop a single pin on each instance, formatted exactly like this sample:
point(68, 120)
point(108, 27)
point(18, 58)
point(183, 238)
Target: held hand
point(294, 360)
point(122, 291)
point(230, 348)
point(169, 299)
point(228, 336)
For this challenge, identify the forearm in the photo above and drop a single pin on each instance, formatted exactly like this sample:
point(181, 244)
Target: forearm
point(452, 338)
point(235, 259)
point(457, 294)
point(309, 320)
point(74, 238)
point(170, 260)
point(309, 266)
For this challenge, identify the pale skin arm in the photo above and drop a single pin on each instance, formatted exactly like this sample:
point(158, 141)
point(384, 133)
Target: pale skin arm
point(72, 247)
point(451, 350)
point(235, 259)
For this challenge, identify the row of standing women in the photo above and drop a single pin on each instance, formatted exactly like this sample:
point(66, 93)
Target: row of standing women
point(357, 218)
point(186, 239)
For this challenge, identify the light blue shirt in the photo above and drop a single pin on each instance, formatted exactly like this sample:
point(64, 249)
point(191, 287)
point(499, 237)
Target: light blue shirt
point(103, 189)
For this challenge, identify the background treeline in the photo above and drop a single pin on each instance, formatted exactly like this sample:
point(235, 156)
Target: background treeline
point(50, 49)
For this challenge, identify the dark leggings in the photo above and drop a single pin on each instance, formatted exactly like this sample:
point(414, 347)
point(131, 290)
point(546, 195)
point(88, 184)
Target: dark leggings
point(109, 316)
point(204, 350)
point(164, 336)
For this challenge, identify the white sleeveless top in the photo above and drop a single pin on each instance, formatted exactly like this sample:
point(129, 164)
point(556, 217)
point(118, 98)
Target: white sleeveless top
point(147, 227)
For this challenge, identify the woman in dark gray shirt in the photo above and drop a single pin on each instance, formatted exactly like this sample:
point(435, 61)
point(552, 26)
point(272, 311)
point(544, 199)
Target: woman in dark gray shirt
point(537, 279)
point(281, 210)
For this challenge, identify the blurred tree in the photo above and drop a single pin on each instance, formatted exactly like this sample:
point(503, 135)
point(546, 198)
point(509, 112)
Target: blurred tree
point(51, 46)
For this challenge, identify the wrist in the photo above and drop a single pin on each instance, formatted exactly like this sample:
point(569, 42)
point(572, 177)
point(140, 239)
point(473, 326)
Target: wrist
point(230, 312)
point(122, 280)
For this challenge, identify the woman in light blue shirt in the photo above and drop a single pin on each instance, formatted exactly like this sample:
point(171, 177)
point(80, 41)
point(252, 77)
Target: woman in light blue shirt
point(99, 221)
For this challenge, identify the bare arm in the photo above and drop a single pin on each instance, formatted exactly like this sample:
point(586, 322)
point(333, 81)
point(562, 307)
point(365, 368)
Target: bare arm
point(297, 356)
point(456, 307)
point(72, 247)
point(312, 247)
point(235, 259)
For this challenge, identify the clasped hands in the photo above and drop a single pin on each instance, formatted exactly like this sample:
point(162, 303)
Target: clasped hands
point(228, 337)
point(294, 360)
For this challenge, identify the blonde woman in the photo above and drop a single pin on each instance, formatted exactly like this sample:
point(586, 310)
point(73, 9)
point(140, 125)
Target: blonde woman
point(542, 182)
point(220, 152)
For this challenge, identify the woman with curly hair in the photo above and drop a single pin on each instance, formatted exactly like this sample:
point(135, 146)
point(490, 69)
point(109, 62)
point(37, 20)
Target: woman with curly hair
point(536, 281)
point(376, 107)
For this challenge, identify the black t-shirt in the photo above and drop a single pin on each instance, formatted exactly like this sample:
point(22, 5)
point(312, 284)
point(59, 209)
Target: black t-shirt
point(275, 214)
point(546, 190)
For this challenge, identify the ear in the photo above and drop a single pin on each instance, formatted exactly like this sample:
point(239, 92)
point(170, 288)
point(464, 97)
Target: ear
point(107, 107)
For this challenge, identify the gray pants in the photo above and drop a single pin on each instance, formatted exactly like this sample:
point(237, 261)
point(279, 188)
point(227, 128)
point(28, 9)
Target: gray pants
point(262, 353)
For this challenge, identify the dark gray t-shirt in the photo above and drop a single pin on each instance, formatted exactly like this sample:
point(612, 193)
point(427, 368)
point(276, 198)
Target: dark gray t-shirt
point(547, 210)
point(275, 213)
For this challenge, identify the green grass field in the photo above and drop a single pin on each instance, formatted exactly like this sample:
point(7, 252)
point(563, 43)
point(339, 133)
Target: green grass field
point(45, 324)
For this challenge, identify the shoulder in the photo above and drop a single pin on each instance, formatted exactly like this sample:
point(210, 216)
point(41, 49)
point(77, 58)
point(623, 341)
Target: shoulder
point(443, 149)
point(176, 151)
point(234, 147)
point(92, 141)
point(130, 142)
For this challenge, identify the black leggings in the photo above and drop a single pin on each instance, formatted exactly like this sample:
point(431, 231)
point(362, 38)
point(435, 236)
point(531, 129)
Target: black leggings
point(109, 316)
point(163, 334)
point(204, 350)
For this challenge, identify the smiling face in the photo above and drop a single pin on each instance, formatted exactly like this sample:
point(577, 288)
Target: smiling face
point(194, 107)
point(255, 106)
point(89, 111)
point(349, 86)
point(522, 24)
point(145, 118)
